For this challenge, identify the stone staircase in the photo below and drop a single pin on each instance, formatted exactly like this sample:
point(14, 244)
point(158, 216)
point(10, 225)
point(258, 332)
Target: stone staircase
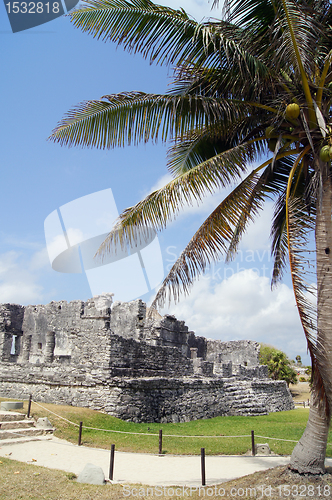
point(242, 400)
point(16, 427)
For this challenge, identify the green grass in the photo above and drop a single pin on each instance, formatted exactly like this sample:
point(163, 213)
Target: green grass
point(284, 425)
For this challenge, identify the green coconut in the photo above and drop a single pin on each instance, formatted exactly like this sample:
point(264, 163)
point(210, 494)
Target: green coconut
point(324, 153)
point(292, 111)
point(270, 131)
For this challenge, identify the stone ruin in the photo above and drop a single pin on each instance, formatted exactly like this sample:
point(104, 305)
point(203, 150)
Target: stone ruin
point(137, 367)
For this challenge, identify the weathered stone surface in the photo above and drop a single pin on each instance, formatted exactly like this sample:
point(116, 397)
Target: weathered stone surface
point(44, 423)
point(11, 405)
point(116, 360)
point(262, 449)
point(91, 474)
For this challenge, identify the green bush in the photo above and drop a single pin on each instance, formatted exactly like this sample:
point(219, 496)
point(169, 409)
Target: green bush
point(278, 364)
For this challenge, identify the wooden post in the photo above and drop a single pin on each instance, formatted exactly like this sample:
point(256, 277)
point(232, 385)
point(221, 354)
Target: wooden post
point(303, 404)
point(253, 443)
point(29, 406)
point(112, 462)
point(160, 441)
point(80, 434)
point(203, 465)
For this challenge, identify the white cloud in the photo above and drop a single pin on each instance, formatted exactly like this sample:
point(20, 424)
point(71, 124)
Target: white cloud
point(19, 279)
point(75, 235)
point(257, 236)
point(39, 260)
point(243, 307)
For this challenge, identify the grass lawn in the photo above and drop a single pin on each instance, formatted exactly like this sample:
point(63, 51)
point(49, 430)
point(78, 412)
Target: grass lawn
point(285, 425)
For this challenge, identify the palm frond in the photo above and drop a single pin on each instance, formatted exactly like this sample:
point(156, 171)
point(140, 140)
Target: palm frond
point(256, 12)
point(301, 224)
point(210, 141)
point(163, 205)
point(163, 34)
point(168, 36)
point(278, 233)
point(208, 243)
point(133, 117)
point(300, 33)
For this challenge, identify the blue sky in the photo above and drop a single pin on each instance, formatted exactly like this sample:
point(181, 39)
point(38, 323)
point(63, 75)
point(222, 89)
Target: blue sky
point(46, 71)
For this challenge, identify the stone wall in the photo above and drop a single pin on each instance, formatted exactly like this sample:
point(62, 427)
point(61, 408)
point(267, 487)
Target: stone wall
point(128, 319)
point(160, 399)
point(239, 352)
point(11, 319)
point(115, 359)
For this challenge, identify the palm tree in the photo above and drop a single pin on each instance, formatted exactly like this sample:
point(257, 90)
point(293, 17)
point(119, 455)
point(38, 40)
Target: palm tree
point(256, 82)
point(278, 364)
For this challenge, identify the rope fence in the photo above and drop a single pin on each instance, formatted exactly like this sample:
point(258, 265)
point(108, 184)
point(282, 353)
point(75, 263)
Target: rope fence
point(160, 434)
point(81, 426)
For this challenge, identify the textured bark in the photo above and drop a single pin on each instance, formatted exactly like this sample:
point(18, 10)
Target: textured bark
point(309, 454)
point(324, 286)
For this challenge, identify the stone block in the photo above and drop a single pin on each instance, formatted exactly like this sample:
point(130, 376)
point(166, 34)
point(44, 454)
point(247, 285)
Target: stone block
point(44, 423)
point(262, 449)
point(11, 405)
point(91, 474)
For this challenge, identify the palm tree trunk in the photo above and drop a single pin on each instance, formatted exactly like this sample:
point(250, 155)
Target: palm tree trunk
point(309, 454)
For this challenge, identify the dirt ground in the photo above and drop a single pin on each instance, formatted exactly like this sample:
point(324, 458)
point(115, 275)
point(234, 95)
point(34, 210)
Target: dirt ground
point(300, 391)
point(279, 483)
point(20, 481)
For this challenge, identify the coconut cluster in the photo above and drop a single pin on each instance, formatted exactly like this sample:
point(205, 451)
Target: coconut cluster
point(292, 112)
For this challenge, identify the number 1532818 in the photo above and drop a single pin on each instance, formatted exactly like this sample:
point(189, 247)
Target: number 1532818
point(32, 7)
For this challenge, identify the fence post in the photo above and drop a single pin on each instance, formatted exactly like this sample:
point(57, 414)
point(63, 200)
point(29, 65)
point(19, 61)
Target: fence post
point(303, 404)
point(112, 462)
point(29, 406)
point(160, 441)
point(203, 465)
point(253, 443)
point(80, 434)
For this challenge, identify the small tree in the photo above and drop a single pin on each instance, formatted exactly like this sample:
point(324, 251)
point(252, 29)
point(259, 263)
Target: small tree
point(278, 364)
point(298, 360)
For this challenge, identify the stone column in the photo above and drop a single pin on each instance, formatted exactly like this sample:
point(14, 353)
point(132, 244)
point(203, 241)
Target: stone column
point(26, 346)
point(193, 352)
point(6, 347)
point(49, 348)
